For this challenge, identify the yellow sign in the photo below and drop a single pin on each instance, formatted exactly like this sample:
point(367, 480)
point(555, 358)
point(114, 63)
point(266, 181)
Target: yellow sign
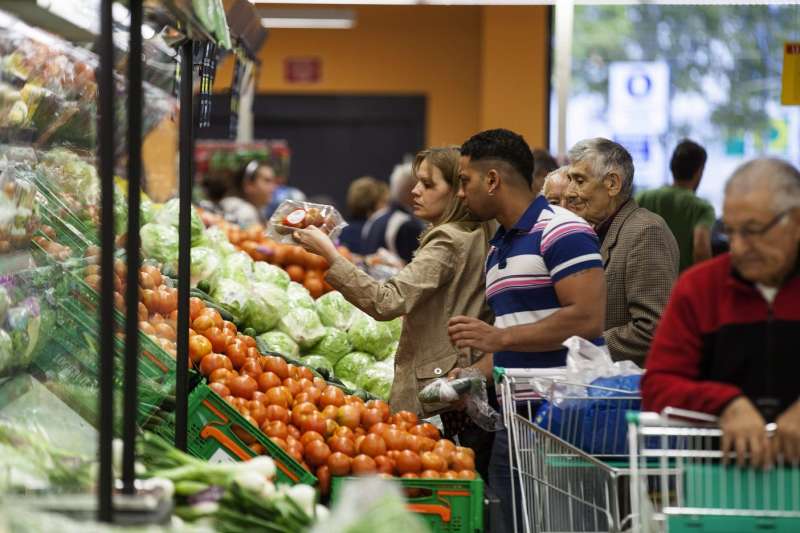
point(790, 88)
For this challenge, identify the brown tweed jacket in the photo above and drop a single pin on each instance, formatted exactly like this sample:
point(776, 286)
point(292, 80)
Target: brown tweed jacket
point(641, 258)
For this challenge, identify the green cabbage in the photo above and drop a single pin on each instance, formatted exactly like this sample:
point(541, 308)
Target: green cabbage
point(388, 351)
point(6, 351)
point(232, 296)
point(169, 216)
point(266, 273)
point(266, 305)
point(396, 327)
point(205, 262)
point(217, 240)
point(334, 345)
point(237, 267)
point(278, 342)
point(369, 335)
point(160, 242)
point(318, 362)
point(335, 311)
point(302, 325)
point(352, 366)
point(299, 296)
point(378, 379)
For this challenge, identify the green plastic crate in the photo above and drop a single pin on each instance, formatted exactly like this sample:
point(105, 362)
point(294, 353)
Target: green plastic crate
point(689, 523)
point(218, 433)
point(446, 506)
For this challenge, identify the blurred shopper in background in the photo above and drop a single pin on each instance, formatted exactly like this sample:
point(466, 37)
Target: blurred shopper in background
point(640, 254)
point(365, 197)
point(395, 228)
point(543, 164)
point(689, 218)
point(283, 192)
point(728, 341)
point(444, 279)
point(555, 187)
point(243, 200)
point(544, 277)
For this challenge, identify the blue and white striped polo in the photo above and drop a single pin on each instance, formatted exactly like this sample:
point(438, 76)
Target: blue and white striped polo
point(547, 244)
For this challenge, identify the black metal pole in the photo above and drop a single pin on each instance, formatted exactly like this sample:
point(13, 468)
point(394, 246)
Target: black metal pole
point(186, 146)
point(132, 251)
point(105, 142)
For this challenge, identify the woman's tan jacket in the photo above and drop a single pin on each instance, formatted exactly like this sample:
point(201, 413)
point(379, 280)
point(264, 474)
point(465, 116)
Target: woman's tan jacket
point(445, 279)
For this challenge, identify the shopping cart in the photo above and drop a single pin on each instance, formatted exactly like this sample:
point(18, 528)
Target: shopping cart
point(680, 483)
point(568, 448)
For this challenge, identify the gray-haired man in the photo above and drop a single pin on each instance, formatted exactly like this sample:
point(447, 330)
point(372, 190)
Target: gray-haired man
point(640, 254)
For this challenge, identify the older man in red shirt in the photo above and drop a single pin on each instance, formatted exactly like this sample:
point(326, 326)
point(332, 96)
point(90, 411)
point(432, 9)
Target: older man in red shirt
point(729, 340)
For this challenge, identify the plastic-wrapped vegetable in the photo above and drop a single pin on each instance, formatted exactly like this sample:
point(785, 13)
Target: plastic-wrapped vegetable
point(318, 363)
point(335, 311)
point(237, 267)
point(300, 297)
point(303, 326)
point(160, 242)
point(266, 273)
point(396, 327)
point(387, 352)
point(24, 323)
point(266, 305)
point(205, 262)
point(6, 351)
point(232, 296)
point(169, 217)
point(352, 366)
point(218, 241)
point(278, 342)
point(334, 345)
point(369, 335)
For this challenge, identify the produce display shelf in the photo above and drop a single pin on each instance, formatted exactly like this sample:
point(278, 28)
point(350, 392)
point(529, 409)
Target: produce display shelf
point(446, 506)
point(218, 433)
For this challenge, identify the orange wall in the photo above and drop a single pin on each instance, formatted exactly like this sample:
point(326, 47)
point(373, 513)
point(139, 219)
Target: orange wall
point(459, 57)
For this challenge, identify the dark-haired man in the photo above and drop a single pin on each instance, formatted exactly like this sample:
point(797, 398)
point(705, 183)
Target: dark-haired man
point(544, 275)
point(689, 218)
point(543, 164)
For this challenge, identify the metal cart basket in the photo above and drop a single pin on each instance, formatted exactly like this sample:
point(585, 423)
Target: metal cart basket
point(568, 448)
point(680, 483)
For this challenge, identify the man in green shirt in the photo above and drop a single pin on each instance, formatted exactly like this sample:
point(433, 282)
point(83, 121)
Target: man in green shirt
point(690, 218)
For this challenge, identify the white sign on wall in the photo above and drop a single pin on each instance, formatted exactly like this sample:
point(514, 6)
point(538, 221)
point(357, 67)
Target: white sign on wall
point(638, 97)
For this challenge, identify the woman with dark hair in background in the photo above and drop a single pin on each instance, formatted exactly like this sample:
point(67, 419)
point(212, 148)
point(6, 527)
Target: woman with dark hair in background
point(365, 196)
point(243, 201)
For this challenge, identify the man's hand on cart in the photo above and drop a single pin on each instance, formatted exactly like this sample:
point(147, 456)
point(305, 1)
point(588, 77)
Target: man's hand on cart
point(787, 434)
point(744, 432)
point(469, 332)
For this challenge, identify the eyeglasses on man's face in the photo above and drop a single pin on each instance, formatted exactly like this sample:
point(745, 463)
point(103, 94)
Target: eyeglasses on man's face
point(752, 231)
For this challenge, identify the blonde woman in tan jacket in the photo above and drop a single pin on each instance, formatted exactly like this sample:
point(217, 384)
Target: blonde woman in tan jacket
point(444, 279)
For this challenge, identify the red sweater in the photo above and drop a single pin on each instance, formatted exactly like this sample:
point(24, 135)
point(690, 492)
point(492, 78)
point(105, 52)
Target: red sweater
point(719, 339)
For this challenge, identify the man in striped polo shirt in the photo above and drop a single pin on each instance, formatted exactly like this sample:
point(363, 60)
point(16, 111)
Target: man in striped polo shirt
point(544, 273)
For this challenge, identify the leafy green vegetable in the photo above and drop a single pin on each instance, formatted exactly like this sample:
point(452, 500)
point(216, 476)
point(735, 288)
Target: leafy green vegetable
point(387, 352)
point(303, 325)
point(396, 327)
point(237, 267)
point(335, 311)
point(278, 342)
point(218, 241)
point(352, 366)
point(205, 262)
point(333, 346)
point(318, 362)
point(6, 351)
point(299, 296)
point(265, 273)
point(266, 305)
point(5, 303)
point(232, 295)
point(369, 335)
point(160, 242)
point(169, 216)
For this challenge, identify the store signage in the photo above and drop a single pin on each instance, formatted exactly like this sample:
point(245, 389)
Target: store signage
point(790, 77)
point(638, 97)
point(302, 70)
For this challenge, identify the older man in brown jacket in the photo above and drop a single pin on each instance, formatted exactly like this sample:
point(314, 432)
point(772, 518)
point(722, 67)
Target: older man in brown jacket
point(640, 254)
